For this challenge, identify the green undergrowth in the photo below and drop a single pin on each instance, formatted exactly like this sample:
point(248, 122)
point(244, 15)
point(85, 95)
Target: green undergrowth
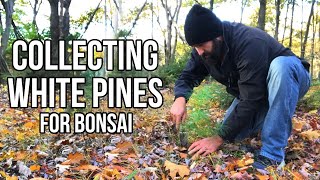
point(311, 101)
point(198, 123)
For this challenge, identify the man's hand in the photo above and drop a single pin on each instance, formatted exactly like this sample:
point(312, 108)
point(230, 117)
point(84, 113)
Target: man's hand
point(205, 146)
point(178, 111)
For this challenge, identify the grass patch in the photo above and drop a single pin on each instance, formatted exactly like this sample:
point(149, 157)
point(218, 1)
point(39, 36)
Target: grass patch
point(199, 124)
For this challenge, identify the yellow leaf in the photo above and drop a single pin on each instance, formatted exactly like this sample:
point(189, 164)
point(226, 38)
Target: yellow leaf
point(59, 110)
point(29, 125)
point(12, 178)
point(3, 174)
point(313, 111)
point(5, 131)
point(175, 168)
point(262, 177)
point(311, 135)
point(35, 168)
point(1, 145)
point(244, 162)
point(19, 112)
point(74, 159)
point(297, 125)
point(19, 136)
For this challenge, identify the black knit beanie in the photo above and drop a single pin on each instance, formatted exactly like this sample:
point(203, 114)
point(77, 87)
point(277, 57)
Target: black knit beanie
point(201, 25)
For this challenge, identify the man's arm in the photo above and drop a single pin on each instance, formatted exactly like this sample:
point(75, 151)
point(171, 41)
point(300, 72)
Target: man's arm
point(253, 69)
point(191, 76)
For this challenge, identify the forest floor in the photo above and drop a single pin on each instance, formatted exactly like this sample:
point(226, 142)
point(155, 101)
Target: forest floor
point(152, 151)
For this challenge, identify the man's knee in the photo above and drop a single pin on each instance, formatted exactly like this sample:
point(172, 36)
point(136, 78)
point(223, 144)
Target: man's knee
point(280, 64)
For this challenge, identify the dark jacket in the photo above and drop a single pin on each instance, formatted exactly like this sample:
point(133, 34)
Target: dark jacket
point(249, 52)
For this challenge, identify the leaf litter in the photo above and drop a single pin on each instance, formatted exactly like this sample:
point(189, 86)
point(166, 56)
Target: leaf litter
point(153, 151)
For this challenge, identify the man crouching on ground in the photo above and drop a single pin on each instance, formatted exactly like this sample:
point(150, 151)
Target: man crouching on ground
point(266, 79)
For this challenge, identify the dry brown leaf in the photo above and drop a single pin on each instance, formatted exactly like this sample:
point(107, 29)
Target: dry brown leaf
point(108, 174)
point(88, 167)
point(183, 155)
point(298, 146)
point(21, 155)
point(244, 162)
point(311, 135)
point(218, 169)
point(35, 168)
point(34, 157)
point(74, 159)
point(239, 175)
point(198, 176)
point(182, 170)
point(122, 147)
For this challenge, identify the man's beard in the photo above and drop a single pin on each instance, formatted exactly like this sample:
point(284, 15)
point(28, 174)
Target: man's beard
point(216, 53)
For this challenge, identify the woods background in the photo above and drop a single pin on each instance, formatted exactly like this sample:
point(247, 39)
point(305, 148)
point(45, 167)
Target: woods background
point(294, 23)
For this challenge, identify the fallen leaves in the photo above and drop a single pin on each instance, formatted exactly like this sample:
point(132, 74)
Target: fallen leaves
point(175, 169)
point(87, 167)
point(297, 124)
point(75, 158)
point(35, 168)
point(311, 134)
point(149, 153)
point(245, 161)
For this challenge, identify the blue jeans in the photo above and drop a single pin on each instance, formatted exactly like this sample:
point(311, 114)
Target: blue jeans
point(287, 82)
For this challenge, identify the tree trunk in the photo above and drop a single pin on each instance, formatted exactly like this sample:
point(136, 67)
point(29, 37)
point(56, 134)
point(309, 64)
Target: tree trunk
point(117, 17)
point(301, 30)
point(173, 52)
point(243, 5)
point(211, 4)
point(171, 17)
point(285, 22)
point(307, 30)
point(262, 15)
point(54, 30)
point(276, 32)
point(291, 23)
point(8, 6)
point(314, 21)
point(36, 8)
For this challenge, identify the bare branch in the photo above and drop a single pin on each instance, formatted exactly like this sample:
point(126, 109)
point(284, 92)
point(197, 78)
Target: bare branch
point(91, 18)
point(137, 17)
point(116, 4)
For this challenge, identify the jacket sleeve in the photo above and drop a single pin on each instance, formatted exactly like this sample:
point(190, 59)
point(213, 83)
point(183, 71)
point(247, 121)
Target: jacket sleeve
point(191, 76)
point(253, 70)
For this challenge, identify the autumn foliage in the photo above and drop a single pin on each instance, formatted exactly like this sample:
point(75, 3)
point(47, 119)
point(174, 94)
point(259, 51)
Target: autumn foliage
point(152, 151)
